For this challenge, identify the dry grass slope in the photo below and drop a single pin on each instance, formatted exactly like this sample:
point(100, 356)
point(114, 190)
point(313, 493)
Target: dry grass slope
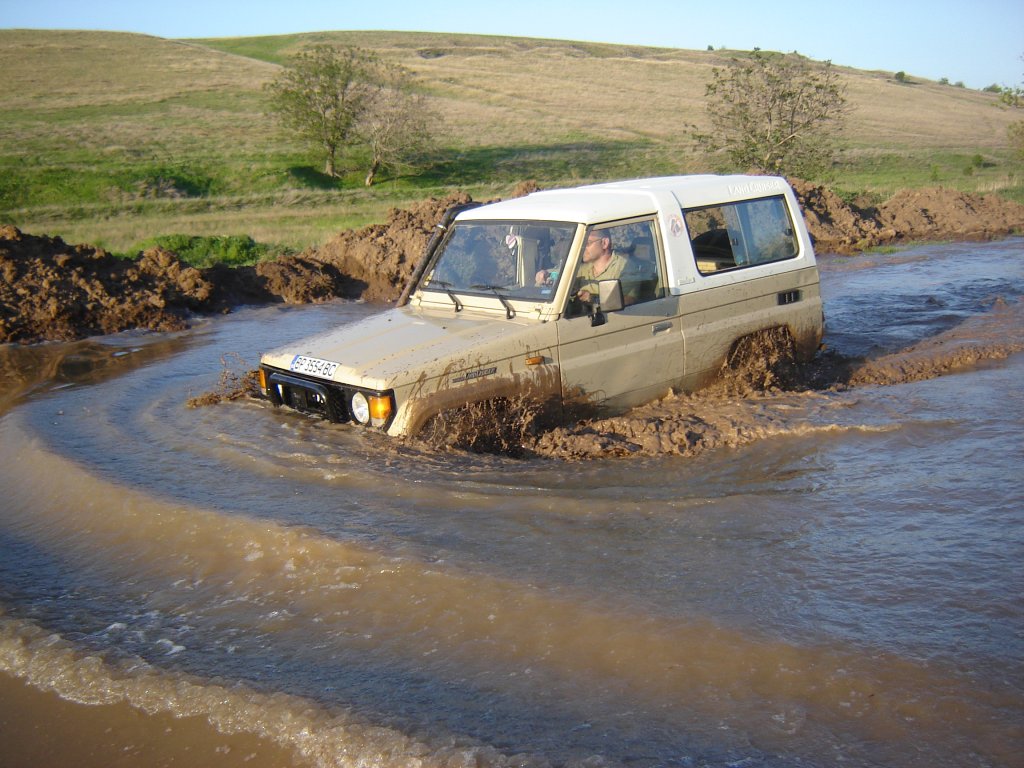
point(529, 89)
point(79, 104)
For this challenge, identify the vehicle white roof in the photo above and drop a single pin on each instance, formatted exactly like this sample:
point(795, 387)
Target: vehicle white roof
point(597, 203)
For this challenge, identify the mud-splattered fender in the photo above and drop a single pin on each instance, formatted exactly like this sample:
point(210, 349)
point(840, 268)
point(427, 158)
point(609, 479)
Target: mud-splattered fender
point(462, 384)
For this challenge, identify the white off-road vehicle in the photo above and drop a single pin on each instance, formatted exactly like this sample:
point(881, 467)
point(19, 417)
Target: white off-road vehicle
point(512, 300)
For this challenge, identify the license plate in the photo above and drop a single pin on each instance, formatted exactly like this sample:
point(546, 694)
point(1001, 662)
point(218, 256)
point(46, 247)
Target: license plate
point(313, 366)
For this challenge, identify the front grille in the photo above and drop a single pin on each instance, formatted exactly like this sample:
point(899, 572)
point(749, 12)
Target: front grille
point(321, 398)
point(328, 399)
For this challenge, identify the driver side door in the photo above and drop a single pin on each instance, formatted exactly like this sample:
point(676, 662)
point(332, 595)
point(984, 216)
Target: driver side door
point(622, 358)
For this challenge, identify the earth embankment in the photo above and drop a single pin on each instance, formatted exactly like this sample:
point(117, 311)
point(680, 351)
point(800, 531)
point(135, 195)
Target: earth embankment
point(51, 290)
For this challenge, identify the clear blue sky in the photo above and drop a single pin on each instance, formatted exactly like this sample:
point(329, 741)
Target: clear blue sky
point(978, 42)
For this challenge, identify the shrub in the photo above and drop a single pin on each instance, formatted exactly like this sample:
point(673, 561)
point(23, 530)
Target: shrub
point(205, 251)
point(1015, 134)
point(1012, 97)
point(164, 181)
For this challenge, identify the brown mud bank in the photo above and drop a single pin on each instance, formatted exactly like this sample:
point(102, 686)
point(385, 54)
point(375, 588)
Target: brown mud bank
point(53, 291)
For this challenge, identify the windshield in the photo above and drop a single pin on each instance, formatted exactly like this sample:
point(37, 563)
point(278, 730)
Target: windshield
point(514, 259)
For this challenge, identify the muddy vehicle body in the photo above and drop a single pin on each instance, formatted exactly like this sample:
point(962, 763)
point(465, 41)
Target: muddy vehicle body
point(498, 308)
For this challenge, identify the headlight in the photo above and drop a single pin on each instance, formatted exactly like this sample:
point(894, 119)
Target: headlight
point(371, 409)
point(360, 408)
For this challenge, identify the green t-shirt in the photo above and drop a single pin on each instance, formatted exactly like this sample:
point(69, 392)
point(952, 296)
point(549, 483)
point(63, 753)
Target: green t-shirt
point(586, 280)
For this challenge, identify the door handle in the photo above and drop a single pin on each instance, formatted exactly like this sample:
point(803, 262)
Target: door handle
point(659, 327)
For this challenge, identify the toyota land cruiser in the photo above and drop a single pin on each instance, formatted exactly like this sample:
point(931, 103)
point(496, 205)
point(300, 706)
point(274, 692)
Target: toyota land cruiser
point(507, 301)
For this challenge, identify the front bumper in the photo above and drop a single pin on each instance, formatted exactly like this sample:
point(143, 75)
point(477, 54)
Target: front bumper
point(328, 399)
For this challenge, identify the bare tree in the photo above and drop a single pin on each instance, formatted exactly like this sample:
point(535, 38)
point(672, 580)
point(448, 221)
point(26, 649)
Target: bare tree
point(397, 128)
point(775, 113)
point(323, 94)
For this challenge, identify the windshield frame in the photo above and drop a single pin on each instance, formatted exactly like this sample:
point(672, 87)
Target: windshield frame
point(539, 245)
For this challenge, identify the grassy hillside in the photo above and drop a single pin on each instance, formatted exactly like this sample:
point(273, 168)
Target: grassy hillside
point(112, 138)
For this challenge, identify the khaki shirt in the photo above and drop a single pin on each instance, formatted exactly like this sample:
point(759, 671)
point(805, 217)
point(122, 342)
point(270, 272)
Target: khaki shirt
point(586, 280)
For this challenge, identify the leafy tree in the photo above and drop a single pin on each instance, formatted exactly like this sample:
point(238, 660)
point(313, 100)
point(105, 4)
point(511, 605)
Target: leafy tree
point(775, 113)
point(336, 99)
point(397, 128)
point(324, 94)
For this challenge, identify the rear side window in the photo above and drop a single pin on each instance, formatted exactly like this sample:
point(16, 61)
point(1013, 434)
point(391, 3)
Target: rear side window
point(743, 234)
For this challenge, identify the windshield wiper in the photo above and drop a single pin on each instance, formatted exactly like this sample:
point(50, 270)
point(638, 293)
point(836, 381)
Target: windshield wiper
point(447, 289)
point(509, 311)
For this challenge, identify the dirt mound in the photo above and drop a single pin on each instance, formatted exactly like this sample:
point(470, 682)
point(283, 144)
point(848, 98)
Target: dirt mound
point(940, 214)
point(834, 225)
point(912, 214)
point(383, 256)
point(52, 290)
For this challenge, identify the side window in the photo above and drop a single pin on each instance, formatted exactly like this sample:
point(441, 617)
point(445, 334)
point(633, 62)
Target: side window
point(627, 252)
point(741, 234)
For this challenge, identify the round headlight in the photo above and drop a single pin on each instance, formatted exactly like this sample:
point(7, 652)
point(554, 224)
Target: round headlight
point(360, 408)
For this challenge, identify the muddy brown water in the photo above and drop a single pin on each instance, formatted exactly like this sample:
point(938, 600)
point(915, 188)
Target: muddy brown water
point(838, 580)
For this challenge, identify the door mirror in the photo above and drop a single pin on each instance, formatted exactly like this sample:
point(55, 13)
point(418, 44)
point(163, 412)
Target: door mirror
point(610, 292)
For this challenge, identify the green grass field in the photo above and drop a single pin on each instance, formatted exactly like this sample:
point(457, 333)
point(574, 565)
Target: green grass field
point(115, 139)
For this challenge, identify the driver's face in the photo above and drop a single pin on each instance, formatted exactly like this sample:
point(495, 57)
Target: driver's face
point(593, 248)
